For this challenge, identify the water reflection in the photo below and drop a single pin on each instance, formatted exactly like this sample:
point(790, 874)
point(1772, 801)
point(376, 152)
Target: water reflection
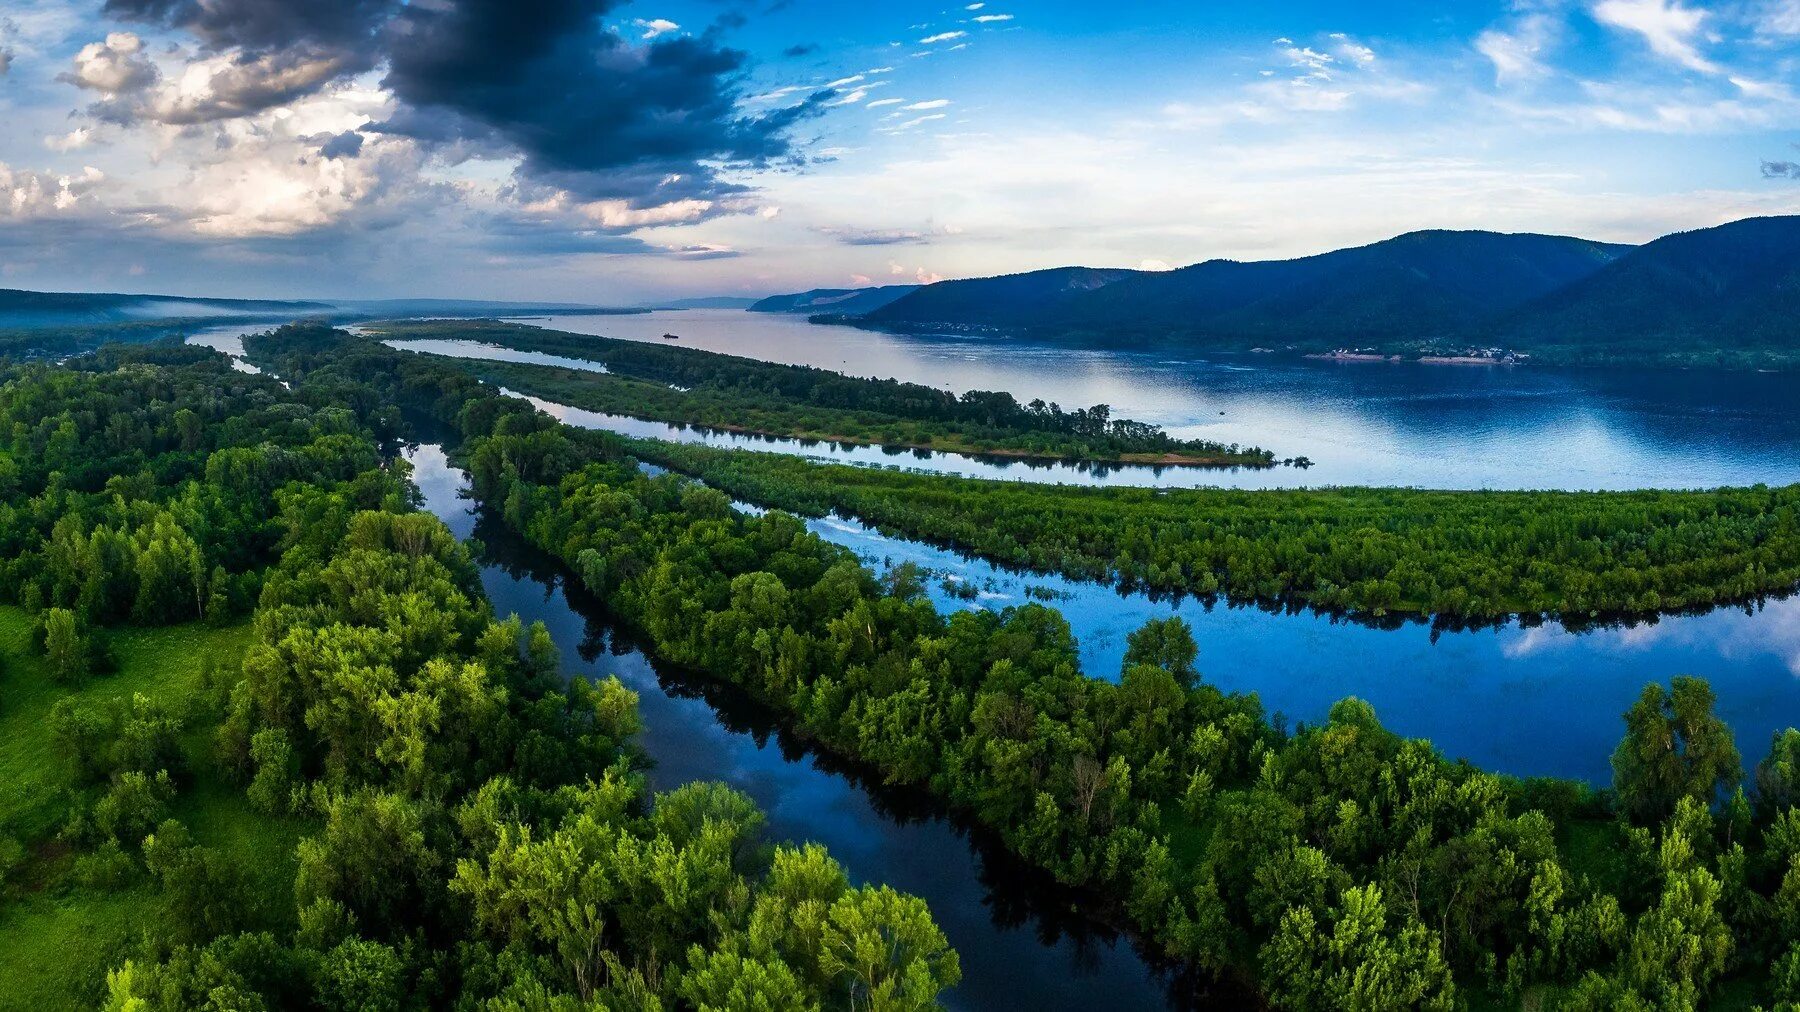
point(936, 462)
point(1426, 426)
point(1020, 941)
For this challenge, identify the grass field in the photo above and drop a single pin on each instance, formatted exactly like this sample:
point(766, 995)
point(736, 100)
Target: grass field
point(57, 938)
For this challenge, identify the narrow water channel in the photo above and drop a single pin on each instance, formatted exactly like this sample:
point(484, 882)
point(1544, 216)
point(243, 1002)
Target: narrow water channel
point(1021, 943)
point(1531, 700)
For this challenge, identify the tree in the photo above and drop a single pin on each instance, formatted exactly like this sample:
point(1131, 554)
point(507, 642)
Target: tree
point(883, 945)
point(1778, 775)
point(1674, 748)
point(65, 646)
point(1355, 962)
point(1167, 643)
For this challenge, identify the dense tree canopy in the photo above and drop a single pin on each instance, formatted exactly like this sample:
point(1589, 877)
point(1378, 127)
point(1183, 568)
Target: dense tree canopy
point(689, 386)
point(1464, 555)
point(1339, 865)
point(473, 828)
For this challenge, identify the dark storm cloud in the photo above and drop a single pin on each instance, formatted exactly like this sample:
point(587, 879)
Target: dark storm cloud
point(264, 25)
point(345, 145)
point(1781, 170)
point(281, 49)
point(587, 110)
point(804, 49)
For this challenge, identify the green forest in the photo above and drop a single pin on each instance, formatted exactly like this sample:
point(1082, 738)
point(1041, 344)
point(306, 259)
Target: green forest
point(1335, 866)
point(266, 745)
point(692, 387)
point(1469, 556)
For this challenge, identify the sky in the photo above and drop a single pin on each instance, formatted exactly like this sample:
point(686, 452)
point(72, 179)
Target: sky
point(618, 152)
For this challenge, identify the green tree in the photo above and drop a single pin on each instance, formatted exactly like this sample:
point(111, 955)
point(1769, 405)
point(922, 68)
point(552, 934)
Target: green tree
point(1674, 747)
point(1355, 961)
point(66, 652)
point(883, 945)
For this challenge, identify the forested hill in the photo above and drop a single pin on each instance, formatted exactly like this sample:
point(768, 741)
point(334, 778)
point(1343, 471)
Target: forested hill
point(20, 308)
point(1011, 301)
point(1421, 283)
point(852, 301)
point(1717, 296)
point(1729, 294)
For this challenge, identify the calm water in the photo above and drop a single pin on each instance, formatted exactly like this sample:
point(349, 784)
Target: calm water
point(1019, 945)
point(1527, 700)
point(1429, 426)
point(1524, 700)
point(1539, 700)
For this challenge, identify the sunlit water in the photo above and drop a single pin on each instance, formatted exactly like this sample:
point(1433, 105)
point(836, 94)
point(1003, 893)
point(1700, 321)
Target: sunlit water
point(1363, 424)
point(1020, 945)
point(1523, 700)
point(1539, 700)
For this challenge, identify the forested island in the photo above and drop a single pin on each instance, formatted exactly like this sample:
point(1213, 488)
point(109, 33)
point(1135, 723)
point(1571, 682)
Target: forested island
point(266, 745)
point(693, 387)
point(1467, 556)
point(1333, 866)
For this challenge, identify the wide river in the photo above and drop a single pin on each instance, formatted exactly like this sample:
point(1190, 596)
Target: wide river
point(1436, 426)
point(1540, 700)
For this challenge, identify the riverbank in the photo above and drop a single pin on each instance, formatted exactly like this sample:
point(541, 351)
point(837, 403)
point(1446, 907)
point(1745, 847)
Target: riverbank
point(729, 394)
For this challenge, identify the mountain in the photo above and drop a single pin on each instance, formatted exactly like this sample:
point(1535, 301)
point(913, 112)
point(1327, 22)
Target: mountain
point(708, 302)
point(467, 307)
point(1022, 301)
point(1723, 295)
point(1417, 285)
point(837, 301)
point(23, 309)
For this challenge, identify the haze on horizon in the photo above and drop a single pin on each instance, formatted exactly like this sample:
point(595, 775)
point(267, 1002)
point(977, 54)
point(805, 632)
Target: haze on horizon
point(606, 152)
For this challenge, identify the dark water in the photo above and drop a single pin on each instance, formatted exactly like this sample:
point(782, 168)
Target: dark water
point(1020, 943)
point(1529, 700)
point(1362, 424)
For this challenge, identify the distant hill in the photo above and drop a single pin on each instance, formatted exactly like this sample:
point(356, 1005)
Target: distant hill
point(708, 302)
point(1417, 285)
point(1013, 301)
point(23, 309)
point(1723, 295)
point(467, 307)
point(840, 301)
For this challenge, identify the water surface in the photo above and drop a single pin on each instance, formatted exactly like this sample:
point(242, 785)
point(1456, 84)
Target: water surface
point(1020, 945)
point(1361, 424)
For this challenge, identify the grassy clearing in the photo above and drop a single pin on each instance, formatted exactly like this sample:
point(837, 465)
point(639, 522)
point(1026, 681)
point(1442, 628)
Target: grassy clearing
point(57, 938)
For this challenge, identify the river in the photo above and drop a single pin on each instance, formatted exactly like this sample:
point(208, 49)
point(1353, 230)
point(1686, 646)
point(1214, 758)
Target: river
point(1433, 426)
point(1019, 944)
point(1525, 700)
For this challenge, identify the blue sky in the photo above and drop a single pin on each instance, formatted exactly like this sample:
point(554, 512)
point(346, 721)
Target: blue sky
point(611, 152)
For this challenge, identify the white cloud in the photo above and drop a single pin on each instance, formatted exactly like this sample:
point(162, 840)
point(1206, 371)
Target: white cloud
point(25, 194)
point(1777, 19)
point(936, 103)
point(941, 37)
point(655, 27)
point(115, 66)
point(1669, 29)
point(841, 82)
point(878, 103)
point(909, 124)
point(74, 140)
point(850, 98)
point(1517, 52)
point(990, 18)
